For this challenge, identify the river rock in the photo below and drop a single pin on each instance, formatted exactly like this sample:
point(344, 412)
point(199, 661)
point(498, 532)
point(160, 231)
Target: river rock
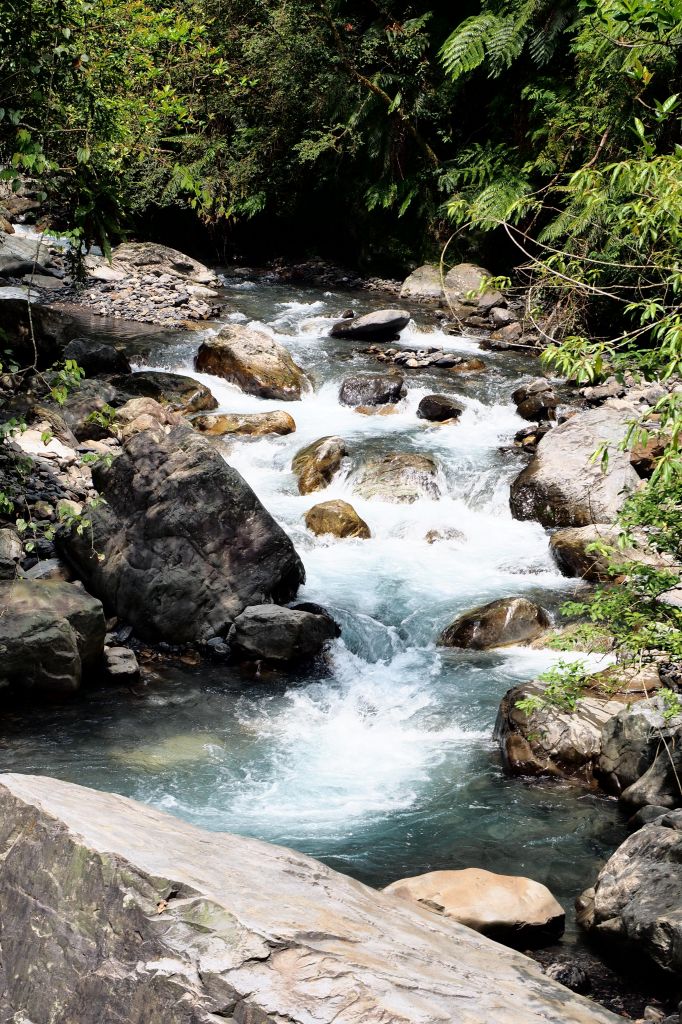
point(337, 518)
point(256, 424)
point(186, 544)
point(550, 740)
point(10, 553)
point(438, 408)
point(636, 902)
point(508, 908)
point(97, 358)
point(255, 361)
point(183, 394)
point(424, 284)
point(632, 741)
point(315, 465)
point(378, 389)
point(280, 635)
point(511, 620)
point(402, 477)
point(383, 324)
point(50, 634)
point(169, 924)
point(143, 414)
point(571, 549)
point(150, 257)
point(562, 486)
point(466, 278)
point(121, 666)
point(20, 255)
point(537, 400)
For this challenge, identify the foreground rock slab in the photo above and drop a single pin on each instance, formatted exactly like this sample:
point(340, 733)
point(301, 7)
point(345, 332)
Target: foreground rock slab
point(187, 545)
point(143, 917)
point(508, 908)
point(255, 361)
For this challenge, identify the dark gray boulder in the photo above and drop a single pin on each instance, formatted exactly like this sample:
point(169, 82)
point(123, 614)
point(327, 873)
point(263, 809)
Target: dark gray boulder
point(564, 485)
point(378, 389)
point(536, 401)
point(382, 325)
point(50, 634)
point(280, 635)
point(97, 358)
point(512, 620)
point(438, 408)
point(183, 394)
point(182, 544)
point(635, 740)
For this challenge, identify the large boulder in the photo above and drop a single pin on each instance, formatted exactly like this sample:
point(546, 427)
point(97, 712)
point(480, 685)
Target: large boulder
point(315, 465)
point(636, 902)
point(50, 634)
point(508, 908)
point(467, 278)
point(337, 518)
point(96, 358)
point(21, 255)
point(564, 486)
point(633, 741)
point(536, 401)
point(280, 635)
point(152, 258)
point(183, 394)
point(377, 389)
point(402, 477)
point(382, 325)
point(255, 361)
point(580, 551)
point(182, 544)
point(255, 424)
point(144, 917)
point(552, 740)
point(511, 620)
point(438, 408)
point(424, 284)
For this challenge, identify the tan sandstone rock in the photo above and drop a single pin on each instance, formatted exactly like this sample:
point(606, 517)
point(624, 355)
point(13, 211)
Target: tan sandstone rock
point(337, 518)
point(257, 424)
point(315, 465)
point(255, 361)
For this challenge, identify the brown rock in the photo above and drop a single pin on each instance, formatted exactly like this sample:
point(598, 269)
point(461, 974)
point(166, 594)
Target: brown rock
point(401, 477)
point(473, 365)
point(315, 465)
point(256, 424)
point(508, 908)
point(337, 518)
point(255, 361)
point(512, 620)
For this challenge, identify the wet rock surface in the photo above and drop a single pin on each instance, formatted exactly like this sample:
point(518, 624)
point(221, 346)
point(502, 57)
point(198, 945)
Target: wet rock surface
point(281, 635)
point(512, 620)
point(438, 408)
point(257, 424)
point(186, 543)
point(337, 518)
point(205, 926)
point(255, 361)
point(382, 324)
point(372, 390)
point(315, 465)
point(401, 477)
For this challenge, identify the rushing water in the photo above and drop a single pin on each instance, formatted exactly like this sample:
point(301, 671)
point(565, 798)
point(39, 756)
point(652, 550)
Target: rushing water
point(384, 766)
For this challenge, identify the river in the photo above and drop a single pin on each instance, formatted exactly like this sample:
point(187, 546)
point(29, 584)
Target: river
point(384, 765)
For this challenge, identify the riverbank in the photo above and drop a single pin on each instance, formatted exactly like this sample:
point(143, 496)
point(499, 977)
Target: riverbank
point(364, 759)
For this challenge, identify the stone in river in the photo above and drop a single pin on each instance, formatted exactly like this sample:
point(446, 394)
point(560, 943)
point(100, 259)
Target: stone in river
point(280, 635)
point(337, 518)
point(511, 620)
point(383, 324)
point(377, 389)
point(255, 361)
point(402, 477)
point(315, 465)
point(256, 424)
point(438, 408)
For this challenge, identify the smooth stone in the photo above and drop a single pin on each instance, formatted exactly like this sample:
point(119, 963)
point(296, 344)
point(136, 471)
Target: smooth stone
point(95, 357)
point(146, 257)
point(255, 361)
point(315, 465)
point(204, 926)
point(378, 389)
point(508, 908)
point(257, 424)
point(381, 324)
point(183, 394)
point(438, 408)
point(121, 665)
point(280, 635)
point(465, 278)
point(537, 400)
point(424, 284)
point(337, 518)
point(402, 477)
point(511, 620)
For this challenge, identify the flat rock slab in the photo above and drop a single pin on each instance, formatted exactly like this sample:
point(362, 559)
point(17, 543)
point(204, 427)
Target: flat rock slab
point(142, 917)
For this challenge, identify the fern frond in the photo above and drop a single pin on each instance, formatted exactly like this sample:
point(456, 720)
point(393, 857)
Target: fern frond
point(465, 49)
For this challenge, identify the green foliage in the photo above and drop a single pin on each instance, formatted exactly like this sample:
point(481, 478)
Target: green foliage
point(565, 683)
point(672, 704)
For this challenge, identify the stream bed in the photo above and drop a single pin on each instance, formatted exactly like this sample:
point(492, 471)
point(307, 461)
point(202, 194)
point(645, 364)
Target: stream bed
point(383, 765)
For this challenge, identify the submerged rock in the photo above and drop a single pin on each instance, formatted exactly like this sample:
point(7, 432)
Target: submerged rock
point(50, 634)
point(337, 518)
point(402, 477)
point(438, 408)
point(511, 620)
point(383, 324)
point(281, 635)
point(564, 486)
point(315, 465)
point(379, 389)
point(255, 361)
point(186, 544)
point(508, 908)
point(256, 424)
point(201, 926)
point(636, 902)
